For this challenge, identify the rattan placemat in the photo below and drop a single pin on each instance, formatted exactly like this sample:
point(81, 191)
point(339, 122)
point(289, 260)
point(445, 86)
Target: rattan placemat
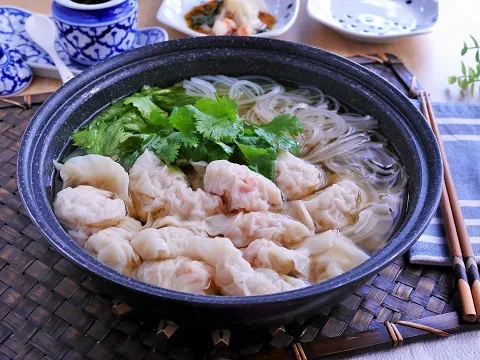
point(50, 309)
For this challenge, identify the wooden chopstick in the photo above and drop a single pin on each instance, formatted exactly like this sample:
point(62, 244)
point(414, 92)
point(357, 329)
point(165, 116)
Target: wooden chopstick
point(299, 353)
point(423, 327)
point(457, 235)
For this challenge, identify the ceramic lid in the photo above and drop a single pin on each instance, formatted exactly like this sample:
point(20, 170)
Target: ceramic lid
point(15, 75)
point(77, 6)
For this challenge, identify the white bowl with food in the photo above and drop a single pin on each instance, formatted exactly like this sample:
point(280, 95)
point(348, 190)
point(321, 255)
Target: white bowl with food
point(262, 18)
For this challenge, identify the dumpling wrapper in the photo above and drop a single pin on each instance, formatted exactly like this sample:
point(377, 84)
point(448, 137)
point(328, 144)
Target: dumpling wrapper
point(284, 282)
point(296, 210)
point(130, 224)
point(341, 257)
point(242, 229)
point(334, 206)
point(297, 178)
point(263, 253)
point(180, 274)
point(318, 243)
point(236, 277)
point(85, 210)
point(98, 171)
point(196, 226)
point(112, 247)
point(160, 191)
point(187, 204)
point(372, 228)
point(241, 188)
point(171, 242)
point(233, 274)
point(149, 178)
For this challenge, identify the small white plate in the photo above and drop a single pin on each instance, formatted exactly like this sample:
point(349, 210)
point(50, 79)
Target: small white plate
point(172, 13)
point(377, 21)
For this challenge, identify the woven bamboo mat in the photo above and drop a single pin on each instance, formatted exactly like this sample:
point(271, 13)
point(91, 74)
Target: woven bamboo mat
point(49, 309)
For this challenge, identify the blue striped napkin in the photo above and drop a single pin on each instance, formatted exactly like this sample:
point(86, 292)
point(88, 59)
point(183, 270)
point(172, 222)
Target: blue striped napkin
point(459, 125)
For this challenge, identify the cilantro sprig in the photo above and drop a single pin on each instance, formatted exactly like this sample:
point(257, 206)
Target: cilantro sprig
point(196, 129)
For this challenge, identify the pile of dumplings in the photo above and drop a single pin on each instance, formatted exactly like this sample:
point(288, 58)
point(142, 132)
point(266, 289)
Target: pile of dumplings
point(219, 229)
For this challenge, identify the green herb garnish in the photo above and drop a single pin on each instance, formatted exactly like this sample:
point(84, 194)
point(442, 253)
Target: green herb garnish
point(180, 128)
point(470, 75)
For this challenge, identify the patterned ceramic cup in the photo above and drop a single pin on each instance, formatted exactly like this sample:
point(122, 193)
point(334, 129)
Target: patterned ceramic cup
point(93, 32)
point(15, 75)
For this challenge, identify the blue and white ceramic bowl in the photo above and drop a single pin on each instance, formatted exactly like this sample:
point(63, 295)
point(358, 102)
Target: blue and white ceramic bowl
point(91, 33)
point(15, 75)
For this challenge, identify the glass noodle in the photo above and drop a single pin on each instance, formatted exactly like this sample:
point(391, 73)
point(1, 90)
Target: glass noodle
point(345, 144)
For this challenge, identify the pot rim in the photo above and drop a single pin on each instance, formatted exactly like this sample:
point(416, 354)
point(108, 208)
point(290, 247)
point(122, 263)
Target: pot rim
point(403, 239)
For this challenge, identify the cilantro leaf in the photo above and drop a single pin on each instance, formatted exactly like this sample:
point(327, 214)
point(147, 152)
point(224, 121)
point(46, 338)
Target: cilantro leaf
point(111, 113)
point(165, 150)
point(91, 140)
point(287, 143)
point(221, 106)
point(282, 141)
point(228, 149)
point(128, 159)
point(267, 136)
point(284, 123)
point(150, 112)
point(215, 128)
point(215, 152)
point(206, 150)
point(115, 135)
point(91, 137)
point(261, 160)
point(278, 133)
point(173, 97)
point(109, 138)
point(188, 140)
point(182, 119)
point(217, 119)
point(248, 140)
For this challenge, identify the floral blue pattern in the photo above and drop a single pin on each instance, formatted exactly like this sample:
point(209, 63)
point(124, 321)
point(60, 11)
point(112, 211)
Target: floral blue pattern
point(88, 43)
point(14, 36)
point(14, 74)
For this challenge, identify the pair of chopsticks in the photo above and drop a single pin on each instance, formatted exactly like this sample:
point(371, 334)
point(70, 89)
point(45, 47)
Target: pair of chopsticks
point(463, 259)
point(298, 351)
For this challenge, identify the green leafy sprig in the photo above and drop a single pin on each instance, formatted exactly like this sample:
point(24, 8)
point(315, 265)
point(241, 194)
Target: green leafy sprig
point(470, 75)
point(180, 128)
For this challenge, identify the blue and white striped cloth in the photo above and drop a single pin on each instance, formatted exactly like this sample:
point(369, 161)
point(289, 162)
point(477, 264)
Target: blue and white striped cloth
point(459, 125)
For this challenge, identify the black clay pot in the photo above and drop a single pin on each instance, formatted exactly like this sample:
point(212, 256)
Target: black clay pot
point(49, 134)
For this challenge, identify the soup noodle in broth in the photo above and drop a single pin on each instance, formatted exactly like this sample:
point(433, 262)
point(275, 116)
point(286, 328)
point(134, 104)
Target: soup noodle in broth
point(219, 227)
point(346, 145)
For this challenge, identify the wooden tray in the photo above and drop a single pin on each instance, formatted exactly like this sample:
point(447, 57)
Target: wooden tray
point(49, 309)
